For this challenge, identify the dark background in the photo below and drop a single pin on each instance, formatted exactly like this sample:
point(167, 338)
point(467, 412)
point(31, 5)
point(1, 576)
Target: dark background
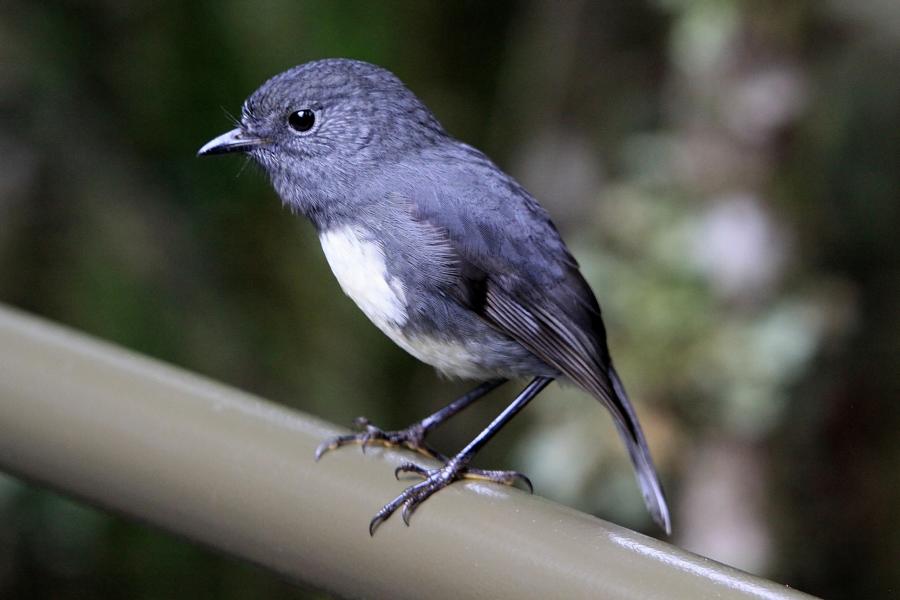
point(726, 172)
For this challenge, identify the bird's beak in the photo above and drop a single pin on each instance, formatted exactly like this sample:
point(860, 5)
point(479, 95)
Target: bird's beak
point(232, 141)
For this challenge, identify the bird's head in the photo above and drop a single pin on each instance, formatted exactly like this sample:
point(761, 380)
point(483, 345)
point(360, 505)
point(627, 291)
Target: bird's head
point(319, 129)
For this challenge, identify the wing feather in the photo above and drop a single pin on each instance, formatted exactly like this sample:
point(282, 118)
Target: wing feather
point(566, 349)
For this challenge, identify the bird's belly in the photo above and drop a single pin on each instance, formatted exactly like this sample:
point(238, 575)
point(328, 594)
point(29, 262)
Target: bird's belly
point(359, 266)
point(451, 358)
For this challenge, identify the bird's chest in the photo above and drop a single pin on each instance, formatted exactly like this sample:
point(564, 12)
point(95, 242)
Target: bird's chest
point(359, 264)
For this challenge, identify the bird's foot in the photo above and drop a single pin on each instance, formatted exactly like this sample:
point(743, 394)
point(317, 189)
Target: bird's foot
point(435, 480)
point(413, 437)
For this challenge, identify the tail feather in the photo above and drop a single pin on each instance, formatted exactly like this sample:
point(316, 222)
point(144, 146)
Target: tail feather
point(647, 478)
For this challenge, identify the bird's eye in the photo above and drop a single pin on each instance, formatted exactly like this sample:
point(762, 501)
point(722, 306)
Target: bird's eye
point(302, 120)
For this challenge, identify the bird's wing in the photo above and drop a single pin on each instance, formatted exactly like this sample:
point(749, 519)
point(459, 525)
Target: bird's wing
point(515, 271)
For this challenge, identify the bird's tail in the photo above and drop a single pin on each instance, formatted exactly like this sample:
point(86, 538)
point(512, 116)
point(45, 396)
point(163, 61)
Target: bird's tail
point(630, 431)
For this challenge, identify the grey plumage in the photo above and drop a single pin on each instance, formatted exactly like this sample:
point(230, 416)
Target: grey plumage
point(475, 260)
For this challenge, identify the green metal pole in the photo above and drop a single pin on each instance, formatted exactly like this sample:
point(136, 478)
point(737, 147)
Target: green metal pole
point(235, 472)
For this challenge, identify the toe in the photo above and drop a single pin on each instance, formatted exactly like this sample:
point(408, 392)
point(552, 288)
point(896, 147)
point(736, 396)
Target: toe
point(502, 477)
point(411, 468)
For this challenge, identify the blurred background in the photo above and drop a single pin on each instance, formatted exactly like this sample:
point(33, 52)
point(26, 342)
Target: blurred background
point(726, 172)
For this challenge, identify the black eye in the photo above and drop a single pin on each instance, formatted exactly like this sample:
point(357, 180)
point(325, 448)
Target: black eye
point(302, 120)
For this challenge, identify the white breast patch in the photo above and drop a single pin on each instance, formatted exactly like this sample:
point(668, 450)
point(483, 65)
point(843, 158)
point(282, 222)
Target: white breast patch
point(359, 267)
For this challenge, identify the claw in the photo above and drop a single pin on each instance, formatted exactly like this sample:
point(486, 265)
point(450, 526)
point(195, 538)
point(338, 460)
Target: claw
point(374, 523)
point(328, 446)
point(524, 479)
point(407, 511)
point(338, 441)
point(321, 449)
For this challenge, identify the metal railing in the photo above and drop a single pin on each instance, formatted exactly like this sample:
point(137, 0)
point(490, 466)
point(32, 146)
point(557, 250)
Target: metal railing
point(234, 472)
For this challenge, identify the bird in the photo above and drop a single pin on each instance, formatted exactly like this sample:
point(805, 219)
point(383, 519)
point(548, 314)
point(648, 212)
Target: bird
point(443, 251)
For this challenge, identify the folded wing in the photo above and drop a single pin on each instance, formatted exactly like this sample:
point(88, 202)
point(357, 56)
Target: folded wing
point(515, 271)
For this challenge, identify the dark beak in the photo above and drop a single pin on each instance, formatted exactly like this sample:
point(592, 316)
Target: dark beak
point(232, 141)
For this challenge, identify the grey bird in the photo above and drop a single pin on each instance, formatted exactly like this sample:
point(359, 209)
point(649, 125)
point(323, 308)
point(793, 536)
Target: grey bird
point(444, 252)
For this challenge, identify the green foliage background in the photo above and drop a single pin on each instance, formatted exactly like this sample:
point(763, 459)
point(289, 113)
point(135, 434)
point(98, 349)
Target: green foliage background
point(728, 174)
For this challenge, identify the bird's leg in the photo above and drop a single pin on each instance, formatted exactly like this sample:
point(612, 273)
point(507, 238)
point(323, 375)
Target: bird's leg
point(458, 467)
point(413, 437)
